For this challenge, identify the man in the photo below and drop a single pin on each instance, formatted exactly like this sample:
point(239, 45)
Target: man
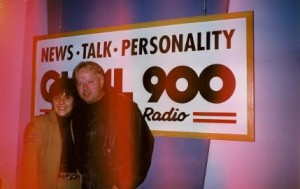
point(113, 142)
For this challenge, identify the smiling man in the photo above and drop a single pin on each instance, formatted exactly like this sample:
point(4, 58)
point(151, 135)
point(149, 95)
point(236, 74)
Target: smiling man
point(113, 142)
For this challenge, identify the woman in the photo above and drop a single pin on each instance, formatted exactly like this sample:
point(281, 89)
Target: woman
point(48, 161)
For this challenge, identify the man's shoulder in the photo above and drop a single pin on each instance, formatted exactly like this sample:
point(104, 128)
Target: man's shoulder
point(125, 100)
point(116, 96)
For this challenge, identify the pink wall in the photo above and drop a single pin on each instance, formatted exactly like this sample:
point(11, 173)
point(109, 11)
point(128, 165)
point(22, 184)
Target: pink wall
point(19, 21)
point(12, 23)
point(272, 161)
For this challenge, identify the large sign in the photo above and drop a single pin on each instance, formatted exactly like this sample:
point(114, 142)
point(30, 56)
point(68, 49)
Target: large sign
point(191, 77)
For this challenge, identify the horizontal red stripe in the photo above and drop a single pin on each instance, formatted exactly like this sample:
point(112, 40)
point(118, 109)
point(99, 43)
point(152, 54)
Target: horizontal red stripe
point(214, 113)
point(213, 121)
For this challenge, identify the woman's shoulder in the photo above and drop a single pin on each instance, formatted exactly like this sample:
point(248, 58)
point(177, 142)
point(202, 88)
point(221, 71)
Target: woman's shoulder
point(47, 116)
point(43, 119)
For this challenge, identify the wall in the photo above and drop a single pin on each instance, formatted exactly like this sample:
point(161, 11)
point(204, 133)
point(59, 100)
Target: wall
point(20, 20)
point(12, 23)
point(272, 161)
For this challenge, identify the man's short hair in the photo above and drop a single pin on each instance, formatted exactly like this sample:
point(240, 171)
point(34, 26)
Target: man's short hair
point(89, 65)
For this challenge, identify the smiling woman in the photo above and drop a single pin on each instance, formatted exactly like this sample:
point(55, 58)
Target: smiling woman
point(63, 104)
point(62, 92)
point(48, 150)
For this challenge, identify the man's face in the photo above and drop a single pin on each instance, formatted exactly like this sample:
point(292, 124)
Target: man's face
point(89, 85)
point(63, 104)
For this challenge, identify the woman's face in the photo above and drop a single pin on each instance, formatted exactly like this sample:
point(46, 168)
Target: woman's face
point(63, 104)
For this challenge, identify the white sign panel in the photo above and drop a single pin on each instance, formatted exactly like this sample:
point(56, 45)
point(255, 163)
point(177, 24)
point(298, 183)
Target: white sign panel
point(191, 77)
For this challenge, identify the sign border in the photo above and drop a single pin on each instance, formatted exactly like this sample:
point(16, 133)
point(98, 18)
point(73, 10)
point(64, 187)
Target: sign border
point(248, 15)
